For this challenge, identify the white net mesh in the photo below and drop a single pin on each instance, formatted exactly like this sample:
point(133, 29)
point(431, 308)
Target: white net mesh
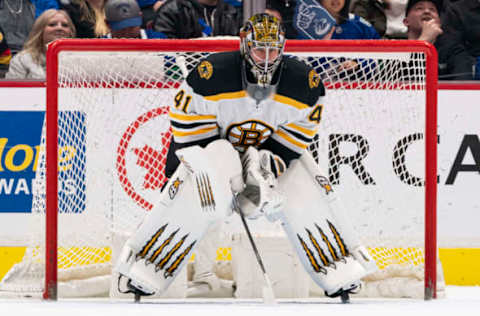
point(114, 135)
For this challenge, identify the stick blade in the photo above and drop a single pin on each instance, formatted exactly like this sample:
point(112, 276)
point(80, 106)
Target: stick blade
point(267, 291)
point(268, 297)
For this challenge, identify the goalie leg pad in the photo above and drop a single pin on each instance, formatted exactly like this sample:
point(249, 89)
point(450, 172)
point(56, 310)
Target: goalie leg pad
point(338, 212)
point(168, 235)
point(323, 243)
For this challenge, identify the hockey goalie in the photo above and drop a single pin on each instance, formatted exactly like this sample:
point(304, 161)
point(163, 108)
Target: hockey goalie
point(241, 122)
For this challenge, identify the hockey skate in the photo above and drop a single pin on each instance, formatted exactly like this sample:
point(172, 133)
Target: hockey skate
point(126, 285)
point(345, 292)
point(210, 285)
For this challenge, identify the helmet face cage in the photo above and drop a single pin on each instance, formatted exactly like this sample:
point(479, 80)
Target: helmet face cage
point(262, 41)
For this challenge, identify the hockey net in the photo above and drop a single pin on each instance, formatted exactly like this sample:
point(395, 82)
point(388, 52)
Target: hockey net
point(108, 103)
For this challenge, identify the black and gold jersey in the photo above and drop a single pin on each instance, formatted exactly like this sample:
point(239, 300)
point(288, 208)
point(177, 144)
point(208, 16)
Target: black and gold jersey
point(212, 103)
point(5, 54)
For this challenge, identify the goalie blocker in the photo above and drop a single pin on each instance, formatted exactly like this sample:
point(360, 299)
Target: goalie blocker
point(199, 194)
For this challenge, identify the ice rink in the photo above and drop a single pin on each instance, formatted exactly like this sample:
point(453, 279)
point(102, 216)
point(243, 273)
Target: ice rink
point(459, 301)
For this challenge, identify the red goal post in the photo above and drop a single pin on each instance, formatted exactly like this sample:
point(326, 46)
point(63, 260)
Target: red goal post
point(298, 47)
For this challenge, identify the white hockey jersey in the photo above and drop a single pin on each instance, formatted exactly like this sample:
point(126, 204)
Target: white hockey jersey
point(212, 103)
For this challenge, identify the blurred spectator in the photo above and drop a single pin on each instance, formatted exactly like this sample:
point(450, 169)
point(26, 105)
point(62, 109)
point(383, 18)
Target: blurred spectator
point(238, 5)
point(235, 3)
point(422, 19)
point(5, 54)
point(16, 20)
point(274, 13)
point(42, 5)
point(283, 9)
point(349, 26)
point(87, 15)
point(306, 18)
point(309, 21)
point(197, 18)
point(386, 16)
point(30, 62)
point(124, 18)
point(149, 9)
point(460, 45)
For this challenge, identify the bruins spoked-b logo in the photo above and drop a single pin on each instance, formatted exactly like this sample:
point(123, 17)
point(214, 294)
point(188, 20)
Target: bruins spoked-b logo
point(205, 70)
point(249, 133)
point(165, 254)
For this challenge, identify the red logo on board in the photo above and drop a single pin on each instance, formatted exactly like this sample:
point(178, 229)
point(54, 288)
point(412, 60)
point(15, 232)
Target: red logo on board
point(151, 159)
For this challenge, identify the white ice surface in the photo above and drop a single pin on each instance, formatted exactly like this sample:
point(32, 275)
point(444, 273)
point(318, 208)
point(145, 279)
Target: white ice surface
point(460, 301)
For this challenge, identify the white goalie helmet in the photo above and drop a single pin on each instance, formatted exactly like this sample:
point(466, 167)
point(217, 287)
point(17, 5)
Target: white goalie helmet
point(262, 39)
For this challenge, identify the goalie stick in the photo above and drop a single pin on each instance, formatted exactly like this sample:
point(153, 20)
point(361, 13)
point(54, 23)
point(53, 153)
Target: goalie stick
point(268, 296)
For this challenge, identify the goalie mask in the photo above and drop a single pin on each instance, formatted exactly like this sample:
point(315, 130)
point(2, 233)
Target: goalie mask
point(262, 39)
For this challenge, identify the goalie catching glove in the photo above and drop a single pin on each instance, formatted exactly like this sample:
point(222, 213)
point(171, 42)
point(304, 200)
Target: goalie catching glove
point(271, 163)
point(261, 195)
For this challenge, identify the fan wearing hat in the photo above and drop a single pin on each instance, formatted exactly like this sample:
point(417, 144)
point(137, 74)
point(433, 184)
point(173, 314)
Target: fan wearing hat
point(422, 18)
point(124, 19)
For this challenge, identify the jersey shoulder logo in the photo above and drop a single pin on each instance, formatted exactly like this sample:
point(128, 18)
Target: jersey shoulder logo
point(313, 79)
point(205, 69)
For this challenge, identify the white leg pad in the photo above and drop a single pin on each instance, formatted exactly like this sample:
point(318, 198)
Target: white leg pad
point(315, 223)
point(196, 197)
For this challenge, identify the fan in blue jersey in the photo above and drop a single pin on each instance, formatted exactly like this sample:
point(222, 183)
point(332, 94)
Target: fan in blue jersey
point(311, 20)
point(319, 15)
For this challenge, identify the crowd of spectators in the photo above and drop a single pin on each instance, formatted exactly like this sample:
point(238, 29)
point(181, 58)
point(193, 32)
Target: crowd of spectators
point(453, 26)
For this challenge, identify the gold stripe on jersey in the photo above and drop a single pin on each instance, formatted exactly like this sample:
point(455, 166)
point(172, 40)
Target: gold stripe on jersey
point(189, 118)
point(227, 95)
point(4, 60)
point(294, 141)
point(183, 133)
point(290, 101)
point(307, 132)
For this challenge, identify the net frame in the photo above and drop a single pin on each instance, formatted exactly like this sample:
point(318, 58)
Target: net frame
point(303, 46)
